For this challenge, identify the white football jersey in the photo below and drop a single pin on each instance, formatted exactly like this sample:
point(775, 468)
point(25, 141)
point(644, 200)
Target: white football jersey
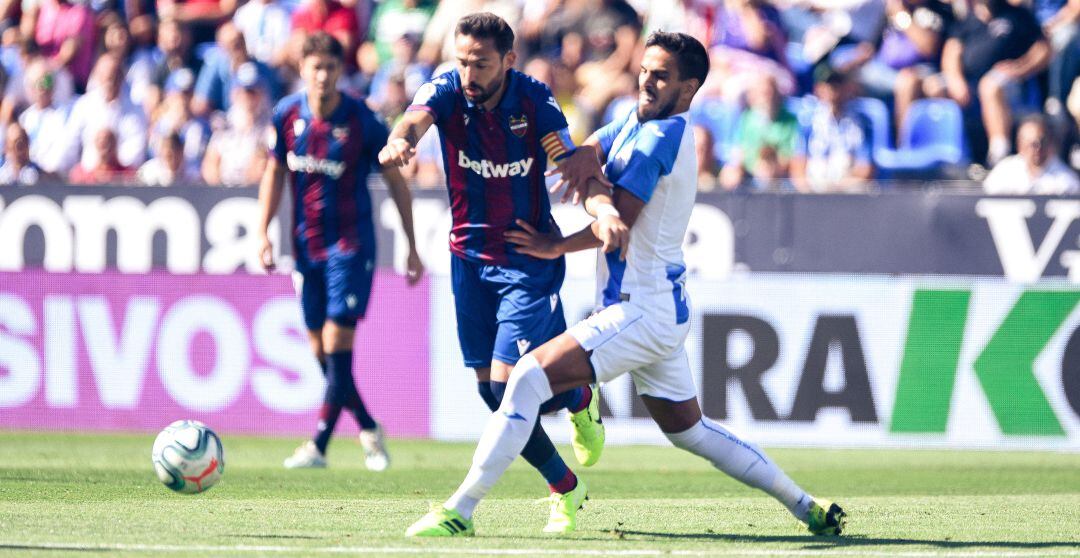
point(656, 162)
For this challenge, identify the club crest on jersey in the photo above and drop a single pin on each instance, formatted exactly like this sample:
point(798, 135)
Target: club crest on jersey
point(519, 125)
point(298, 126)
point(523, 346)
point(340, 133)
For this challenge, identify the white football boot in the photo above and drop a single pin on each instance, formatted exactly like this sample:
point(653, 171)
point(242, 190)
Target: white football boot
point(375, 456)
point(307, 456)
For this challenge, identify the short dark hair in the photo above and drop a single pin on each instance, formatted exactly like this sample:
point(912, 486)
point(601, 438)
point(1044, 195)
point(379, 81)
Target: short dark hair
point(486, 25)
point(690, 54)
point(322, 43)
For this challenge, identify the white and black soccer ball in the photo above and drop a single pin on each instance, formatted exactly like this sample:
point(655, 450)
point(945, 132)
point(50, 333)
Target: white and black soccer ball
point(188, 457)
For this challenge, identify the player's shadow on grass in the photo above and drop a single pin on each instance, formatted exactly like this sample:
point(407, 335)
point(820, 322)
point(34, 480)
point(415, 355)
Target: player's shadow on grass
point(813, 542)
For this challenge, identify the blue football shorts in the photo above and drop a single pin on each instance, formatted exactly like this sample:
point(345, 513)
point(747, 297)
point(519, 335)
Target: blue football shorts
point(503, 312)
point(337, 289)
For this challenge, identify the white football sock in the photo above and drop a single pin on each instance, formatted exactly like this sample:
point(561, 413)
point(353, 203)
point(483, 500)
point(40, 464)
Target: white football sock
point(505, 435)
point(744, 461)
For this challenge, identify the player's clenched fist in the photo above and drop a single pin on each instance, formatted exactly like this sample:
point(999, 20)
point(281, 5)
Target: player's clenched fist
point(397, 152)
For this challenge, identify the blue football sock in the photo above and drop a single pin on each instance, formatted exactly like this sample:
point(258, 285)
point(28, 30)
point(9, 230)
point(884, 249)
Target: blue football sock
point(328, 417)
point(339, 373)
point(488, 395)
point(570, 400)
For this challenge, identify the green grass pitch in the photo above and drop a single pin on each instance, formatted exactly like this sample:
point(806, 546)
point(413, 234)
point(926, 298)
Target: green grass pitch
point(91, 495)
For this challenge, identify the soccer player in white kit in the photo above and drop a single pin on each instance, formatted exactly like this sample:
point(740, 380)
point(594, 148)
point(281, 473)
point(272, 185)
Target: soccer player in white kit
point(645, 319)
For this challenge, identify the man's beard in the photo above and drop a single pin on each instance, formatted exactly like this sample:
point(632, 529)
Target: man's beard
point(487, 92)
point(658, 113)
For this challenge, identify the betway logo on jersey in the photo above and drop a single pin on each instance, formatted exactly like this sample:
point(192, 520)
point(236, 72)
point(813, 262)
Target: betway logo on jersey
point(487, 169)
point(311, 165)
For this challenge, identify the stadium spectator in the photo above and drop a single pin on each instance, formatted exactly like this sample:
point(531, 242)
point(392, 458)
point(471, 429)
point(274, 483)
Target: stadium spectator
point(692, 17)
point(105, 106)
point(45, 120)
point(707, 179)
point(115, 37)
point(765, 139)
point(1036, 168)
point(908, 52)
point(358, 83)
point(748, 39)
point(611, 33)
point(152, 66)
point(402, 66)
point(561, 81)
point(169, 167)
point(395, 19)
point(267, 28)
point(990, 55)
point(201, 17)
point(64, 30)
point(330, 16)
point(17, 87)
point(393, 99)
point(437, 45)
point(224, 65)
point(1059, 20)
point(18, 169)
point(834, 156)
point(236, 155)
point(104, 166)
point(174, 117)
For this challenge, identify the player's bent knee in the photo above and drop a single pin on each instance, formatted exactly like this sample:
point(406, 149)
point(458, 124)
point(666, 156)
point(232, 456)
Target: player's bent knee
point(689, 440)
point(528, 374)
point(338, 333)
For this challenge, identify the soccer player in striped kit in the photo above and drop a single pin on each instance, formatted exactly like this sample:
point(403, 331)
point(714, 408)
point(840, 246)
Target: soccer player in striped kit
point(498, 127)
point(327, 143)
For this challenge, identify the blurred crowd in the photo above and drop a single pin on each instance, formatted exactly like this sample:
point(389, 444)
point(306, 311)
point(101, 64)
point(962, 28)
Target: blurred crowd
point(804, 95)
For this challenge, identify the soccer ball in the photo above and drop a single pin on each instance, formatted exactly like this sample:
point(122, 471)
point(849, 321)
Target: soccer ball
point(188, 457)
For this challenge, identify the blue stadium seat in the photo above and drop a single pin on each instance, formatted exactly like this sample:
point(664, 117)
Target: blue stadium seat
point(878, 114)
point(932, 135)
point(721, 119)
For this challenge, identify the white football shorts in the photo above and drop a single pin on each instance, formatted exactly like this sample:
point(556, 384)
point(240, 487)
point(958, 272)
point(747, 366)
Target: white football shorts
point(624, 338)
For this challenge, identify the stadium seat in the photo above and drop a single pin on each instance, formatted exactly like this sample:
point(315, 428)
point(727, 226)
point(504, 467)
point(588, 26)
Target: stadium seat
point(878, 114)
point(721, 119)
point(932, 135)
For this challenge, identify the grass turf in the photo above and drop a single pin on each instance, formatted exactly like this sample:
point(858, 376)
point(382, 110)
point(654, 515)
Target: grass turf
point(80, 494)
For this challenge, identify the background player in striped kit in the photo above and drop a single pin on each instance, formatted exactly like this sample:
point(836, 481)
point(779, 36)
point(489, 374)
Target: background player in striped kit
point(327, 143)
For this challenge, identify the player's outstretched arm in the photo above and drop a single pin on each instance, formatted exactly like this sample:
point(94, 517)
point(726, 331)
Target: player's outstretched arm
point(401, 145)
point(270, 187)
point(399, 192)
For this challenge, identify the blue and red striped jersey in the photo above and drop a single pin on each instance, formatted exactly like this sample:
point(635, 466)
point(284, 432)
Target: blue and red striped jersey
point(495, 161)
point(329, 162)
